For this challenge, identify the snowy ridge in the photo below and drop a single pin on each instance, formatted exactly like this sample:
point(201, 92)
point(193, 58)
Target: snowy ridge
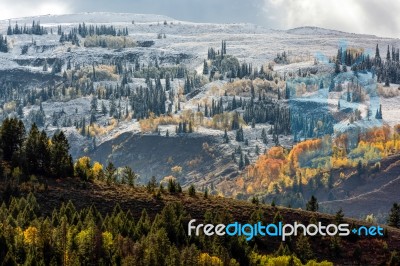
point(309, 30)
point(91, 17)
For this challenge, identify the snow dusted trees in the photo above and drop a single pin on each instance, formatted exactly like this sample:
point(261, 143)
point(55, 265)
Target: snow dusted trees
point(35, 29)
point(3, 44)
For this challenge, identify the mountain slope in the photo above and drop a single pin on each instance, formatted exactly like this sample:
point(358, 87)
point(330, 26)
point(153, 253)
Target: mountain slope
point(104, 198)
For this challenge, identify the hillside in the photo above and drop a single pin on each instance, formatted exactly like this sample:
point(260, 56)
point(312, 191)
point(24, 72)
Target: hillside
point(105, 197)
point(237, 110)
point(370, 192)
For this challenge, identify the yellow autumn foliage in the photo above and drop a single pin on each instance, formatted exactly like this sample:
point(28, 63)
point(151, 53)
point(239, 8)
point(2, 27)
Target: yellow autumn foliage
point(206, 260)
point(311, 158)
point(97, 170)
point(31, 236)
point(107, 240)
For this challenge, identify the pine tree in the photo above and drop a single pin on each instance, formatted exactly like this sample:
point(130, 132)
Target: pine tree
point(246, 160)
point(110, 173)
point(377, 56)
point(303, 248)
point(264, 136)
point(205, 68)
point(167, 83)
point(192, 190)
point(337, 68)
point(12, 135)
point(61, 164)
point(3, 44)
point(257, 151)
point(330, 180)
point(287, 92)
point(104, 110)
point(239, 134)
point(312, 204)
point(348, 95)
point(45, 66)
point(129, 175)
point(332, 86)
point(37, 153)
point(241, 162)
point(378, 114)
point(394, 216)
point(226, 138)
point(339, 216)
point(206, 193)
point(9, 30)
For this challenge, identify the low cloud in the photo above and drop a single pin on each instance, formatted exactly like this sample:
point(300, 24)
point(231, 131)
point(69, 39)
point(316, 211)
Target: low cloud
point(379, 17)
point(24, 8)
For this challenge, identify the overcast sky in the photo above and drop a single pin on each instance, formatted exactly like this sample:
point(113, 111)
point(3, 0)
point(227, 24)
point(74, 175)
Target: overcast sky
point(380, 17)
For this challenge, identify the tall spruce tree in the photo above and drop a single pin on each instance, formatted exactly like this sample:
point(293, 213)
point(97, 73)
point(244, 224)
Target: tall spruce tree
point(312, 204)
point(394, 216)
point(61, 164)
point(12, 135)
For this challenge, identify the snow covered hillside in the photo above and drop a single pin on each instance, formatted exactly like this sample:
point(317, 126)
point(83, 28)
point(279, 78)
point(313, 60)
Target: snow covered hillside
point(196, 101)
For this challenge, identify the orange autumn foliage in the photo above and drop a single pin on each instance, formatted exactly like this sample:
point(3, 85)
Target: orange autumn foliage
point(381, 134)
point(299, 152)
point(269, 166)
point(308, 158)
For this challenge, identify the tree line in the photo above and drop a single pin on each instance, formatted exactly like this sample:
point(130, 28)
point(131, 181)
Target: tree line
point(35, 29)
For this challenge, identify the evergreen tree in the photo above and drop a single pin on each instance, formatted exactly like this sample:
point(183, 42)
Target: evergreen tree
point(45, 66)
point(339, 216)
point(37, 153)
point(3, 44)
point(257, 151)
point(394, 216)
point(377, 56)
point(192, 190)
point(61, 164)
point(337, 68)
point(239, 134)
point(378, 114)
point(129, 175)
point(312, 204)
point(303, 248)
point(348, 95)
point(241, 162)
point(246, 160)
point(332, 86)
point(167, 83)
point(264, 136)
point(287, 91)
point(206, 193)
point(321, 85)
point(226, 138)
point(110, 173)
point(104, 110)
point(205, 68)
point(12, 135)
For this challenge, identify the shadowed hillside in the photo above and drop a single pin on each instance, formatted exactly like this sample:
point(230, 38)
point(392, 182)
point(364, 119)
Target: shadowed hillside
point(104, 197)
